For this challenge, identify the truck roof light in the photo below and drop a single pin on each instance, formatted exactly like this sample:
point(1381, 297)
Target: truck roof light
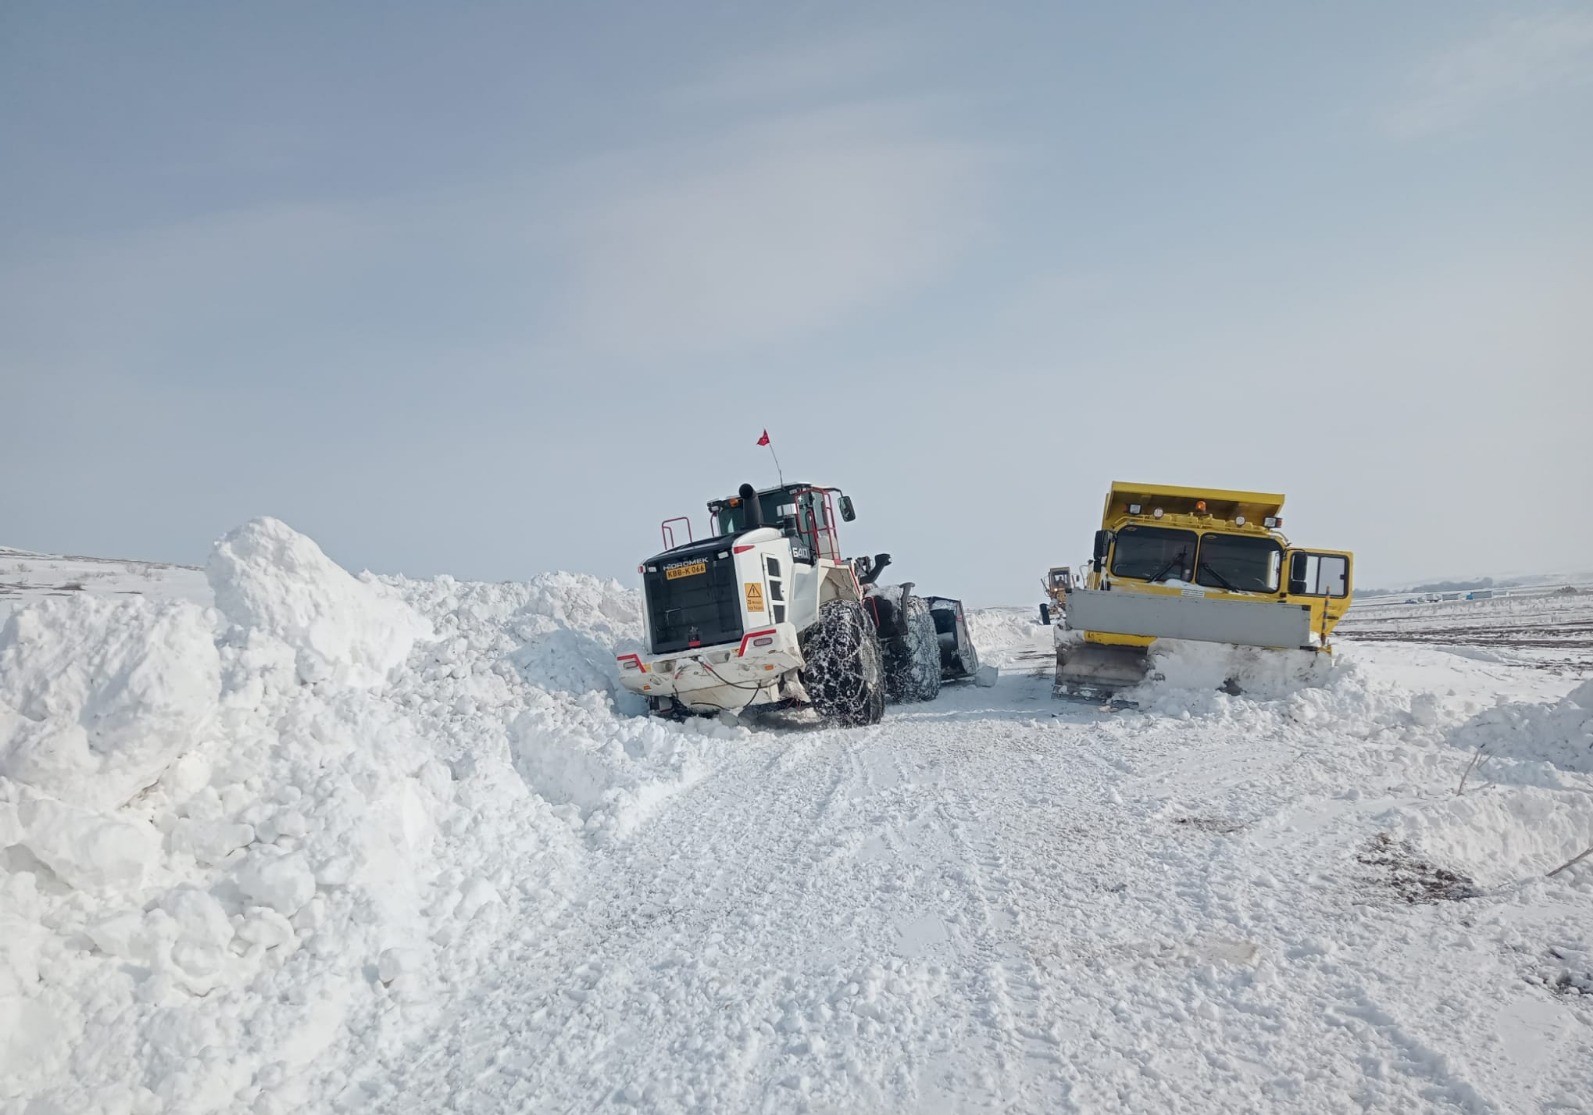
point(1133, 509)
point(1157, 513)
point(1238, 520)
point(1200, 507)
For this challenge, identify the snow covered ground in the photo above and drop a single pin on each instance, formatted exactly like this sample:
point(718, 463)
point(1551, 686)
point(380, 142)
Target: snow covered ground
point(276, 838)
point(1551, 629)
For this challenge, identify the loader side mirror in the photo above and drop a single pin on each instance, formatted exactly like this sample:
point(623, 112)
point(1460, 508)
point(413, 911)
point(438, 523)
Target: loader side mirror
point(848, 512)
point(1103, 542)
point(1045, 614)
point(1298, 581)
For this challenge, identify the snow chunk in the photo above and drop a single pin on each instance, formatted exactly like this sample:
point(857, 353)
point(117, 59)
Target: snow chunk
point(98, 697)
point(86, 850)
point(269, 578)
point(284, 883)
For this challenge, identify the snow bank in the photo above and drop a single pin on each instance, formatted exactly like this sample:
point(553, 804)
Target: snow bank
point(243, 851)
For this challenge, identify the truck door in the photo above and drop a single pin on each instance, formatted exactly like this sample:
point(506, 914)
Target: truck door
point(1327, 575)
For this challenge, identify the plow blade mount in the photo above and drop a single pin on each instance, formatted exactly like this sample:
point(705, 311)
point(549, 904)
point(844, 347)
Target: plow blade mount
point(1096, 671)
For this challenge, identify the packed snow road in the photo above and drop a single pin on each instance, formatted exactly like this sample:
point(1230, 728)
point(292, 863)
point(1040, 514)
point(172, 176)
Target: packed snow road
point(277, 838)
point(995, 903)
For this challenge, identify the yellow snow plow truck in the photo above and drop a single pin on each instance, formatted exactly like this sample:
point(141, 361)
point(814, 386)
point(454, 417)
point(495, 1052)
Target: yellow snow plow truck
point(1199, 564)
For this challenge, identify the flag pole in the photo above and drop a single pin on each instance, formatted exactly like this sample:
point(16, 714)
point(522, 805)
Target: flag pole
point(766, 440)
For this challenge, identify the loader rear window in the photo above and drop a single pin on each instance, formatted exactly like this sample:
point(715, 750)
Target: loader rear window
point(702, 607)
point(1154, 553)
point(1238, 564)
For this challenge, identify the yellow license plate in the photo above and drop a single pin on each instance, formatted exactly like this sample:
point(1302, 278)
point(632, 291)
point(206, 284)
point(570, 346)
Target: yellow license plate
point(679, 571)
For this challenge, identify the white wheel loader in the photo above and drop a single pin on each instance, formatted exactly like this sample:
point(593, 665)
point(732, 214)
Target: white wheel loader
point(766, 613)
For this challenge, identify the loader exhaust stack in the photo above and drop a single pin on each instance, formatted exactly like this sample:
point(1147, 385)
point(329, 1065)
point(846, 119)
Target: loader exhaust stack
point(754, 506)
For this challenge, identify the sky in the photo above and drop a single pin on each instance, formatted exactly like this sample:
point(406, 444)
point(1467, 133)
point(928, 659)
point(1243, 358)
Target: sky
point(490, 289)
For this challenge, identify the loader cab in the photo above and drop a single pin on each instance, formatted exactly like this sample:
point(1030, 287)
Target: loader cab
point(805, 514)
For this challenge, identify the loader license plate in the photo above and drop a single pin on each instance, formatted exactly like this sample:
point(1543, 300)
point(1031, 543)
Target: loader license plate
point(676, 572)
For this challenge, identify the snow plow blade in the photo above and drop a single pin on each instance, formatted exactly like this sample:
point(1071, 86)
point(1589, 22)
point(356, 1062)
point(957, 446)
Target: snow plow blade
point(1097, 671)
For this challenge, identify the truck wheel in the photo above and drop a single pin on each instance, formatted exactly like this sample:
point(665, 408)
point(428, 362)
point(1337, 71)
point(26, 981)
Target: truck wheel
point(843, 674)
point(912, 672)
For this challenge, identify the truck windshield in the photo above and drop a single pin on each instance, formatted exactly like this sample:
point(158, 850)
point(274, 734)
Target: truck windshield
point(1239, 564)
point(1154, 553)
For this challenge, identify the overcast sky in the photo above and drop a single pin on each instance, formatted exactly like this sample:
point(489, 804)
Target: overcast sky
point(490, 289)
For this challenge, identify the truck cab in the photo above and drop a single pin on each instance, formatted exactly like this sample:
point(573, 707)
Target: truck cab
point(1218, 546)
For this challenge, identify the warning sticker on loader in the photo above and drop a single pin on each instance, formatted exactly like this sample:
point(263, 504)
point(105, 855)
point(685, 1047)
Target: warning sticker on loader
point(754, 596)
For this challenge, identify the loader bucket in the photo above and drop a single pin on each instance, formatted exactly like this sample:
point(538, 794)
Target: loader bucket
point(1096, 671)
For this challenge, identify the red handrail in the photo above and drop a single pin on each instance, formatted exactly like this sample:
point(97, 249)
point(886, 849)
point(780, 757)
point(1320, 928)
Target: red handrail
point(667, 532)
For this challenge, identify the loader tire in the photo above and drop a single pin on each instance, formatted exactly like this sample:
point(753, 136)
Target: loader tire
point(913, 674)
point(843, 673)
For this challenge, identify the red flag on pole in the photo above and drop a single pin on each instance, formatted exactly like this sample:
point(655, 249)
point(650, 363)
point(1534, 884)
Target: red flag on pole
point(764, 440)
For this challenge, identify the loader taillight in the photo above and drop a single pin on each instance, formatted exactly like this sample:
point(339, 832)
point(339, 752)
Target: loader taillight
point(739, 549)
point(766, 641)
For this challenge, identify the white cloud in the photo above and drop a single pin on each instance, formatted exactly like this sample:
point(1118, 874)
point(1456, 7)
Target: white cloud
point(784, 227)
point(1517, 57)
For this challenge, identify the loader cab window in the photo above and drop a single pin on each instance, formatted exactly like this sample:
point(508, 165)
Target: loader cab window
point(730, 516)
point(1154, 554)
point(1236, 564)
point(1319, 574)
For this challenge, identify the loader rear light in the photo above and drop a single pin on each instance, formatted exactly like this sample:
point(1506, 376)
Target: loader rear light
point(739, 549)
point(631, 662)
point(760, 638)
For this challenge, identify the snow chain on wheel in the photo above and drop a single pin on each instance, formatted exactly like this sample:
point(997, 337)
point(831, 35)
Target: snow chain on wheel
point(844, 674)
point(912, 672)
point(925, 642)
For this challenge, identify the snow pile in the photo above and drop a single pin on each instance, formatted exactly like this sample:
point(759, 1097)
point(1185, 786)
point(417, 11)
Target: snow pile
point(607, 777)
point(1559, 734)
point(1261, 674)
point(97, 696)
point(268, 578)
point(245, 850)
point(995, 629)
point(559, 630)
point(1529, 803)
point(1497, 834)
